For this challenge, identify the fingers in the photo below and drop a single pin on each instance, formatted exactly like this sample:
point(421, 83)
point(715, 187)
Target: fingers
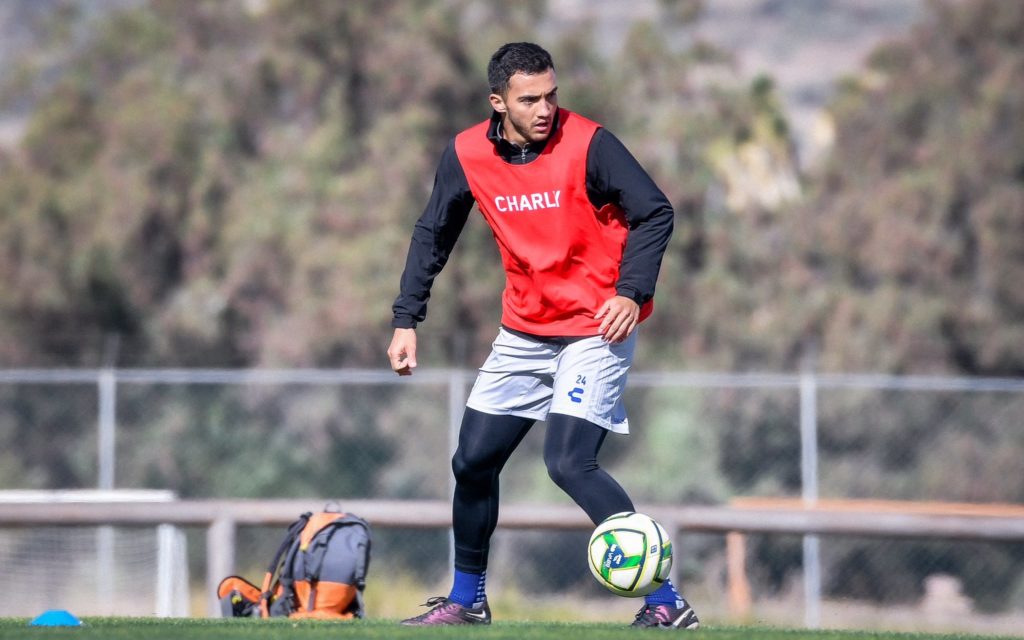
point(402, 352)
point(619, 317)
point(402, 365)
point(619, 327)
point(606, 311)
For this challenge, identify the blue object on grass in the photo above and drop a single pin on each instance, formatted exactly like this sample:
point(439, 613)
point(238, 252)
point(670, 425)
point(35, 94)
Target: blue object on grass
point(56, 618)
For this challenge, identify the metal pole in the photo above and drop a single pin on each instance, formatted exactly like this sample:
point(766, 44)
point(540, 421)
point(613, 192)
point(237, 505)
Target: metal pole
point(105, 569)
point(107, 383)
point(220, 560)
point(456, 407)
point(809, 491)
point(165, 537)
point(107, 387)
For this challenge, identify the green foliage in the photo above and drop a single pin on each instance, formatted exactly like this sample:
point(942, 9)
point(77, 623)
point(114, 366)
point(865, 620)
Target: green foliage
point(677, 435)
point(249, 442)
point(45, 444)
point(233, 199)
point(232, 183)
point(910, 224)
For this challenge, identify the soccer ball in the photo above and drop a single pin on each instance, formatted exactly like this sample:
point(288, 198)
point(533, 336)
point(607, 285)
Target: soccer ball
point(630, 554)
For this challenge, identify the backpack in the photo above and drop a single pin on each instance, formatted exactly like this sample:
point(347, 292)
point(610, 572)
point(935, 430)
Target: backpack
point(318, 571)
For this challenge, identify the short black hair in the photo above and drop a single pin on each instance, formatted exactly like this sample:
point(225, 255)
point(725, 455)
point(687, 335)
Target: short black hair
point(513, 58)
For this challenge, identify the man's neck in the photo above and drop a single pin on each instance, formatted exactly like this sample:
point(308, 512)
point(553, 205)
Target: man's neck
point(503, 133)
point(510, 151)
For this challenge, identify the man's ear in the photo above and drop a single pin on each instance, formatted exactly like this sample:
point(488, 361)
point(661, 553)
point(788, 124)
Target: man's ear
point(498, 103)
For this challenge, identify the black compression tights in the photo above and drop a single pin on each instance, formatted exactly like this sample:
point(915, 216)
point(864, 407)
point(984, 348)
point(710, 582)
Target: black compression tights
point(485, 443)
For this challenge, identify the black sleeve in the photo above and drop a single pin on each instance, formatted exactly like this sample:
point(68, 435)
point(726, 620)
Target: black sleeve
point(433, 238)
point(614, 176)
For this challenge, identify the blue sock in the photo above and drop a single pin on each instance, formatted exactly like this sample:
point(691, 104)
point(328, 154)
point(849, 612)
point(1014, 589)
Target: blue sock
point(667, 595)
point(468, 589)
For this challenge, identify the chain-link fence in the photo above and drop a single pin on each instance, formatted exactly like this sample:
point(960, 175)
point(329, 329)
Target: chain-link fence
point(697, 439)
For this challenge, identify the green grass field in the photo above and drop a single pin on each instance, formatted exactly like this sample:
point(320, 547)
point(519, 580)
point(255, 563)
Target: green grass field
point(207, 629)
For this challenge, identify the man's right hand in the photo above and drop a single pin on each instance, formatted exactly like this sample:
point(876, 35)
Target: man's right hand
point(402, 352)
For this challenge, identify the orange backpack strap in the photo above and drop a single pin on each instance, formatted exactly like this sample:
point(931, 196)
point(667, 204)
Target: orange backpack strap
point(272, 587)
point(245, 589)
point(238, 597)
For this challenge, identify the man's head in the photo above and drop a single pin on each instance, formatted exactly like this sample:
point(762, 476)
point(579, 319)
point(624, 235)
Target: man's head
point(524, 91)
point(513, 58)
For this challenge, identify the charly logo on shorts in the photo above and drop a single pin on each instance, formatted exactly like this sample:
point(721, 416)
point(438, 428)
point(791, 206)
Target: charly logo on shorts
point(576, 394)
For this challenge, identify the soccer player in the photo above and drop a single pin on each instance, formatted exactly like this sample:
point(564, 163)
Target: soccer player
point(581, 229)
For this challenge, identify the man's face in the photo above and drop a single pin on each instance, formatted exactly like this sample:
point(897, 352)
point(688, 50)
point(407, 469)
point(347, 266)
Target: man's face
point(529, 107)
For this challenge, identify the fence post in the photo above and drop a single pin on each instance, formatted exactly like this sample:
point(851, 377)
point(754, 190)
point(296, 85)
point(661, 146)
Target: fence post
point(107, 444)
point(165, 537)
point(736, 570)
point(809, 492)
point(220, 560)
point(456, 407)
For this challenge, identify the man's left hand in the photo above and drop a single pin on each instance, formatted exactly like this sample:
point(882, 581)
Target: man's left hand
point(619, 316)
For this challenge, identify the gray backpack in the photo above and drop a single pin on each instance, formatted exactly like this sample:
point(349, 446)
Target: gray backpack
point(318, 571)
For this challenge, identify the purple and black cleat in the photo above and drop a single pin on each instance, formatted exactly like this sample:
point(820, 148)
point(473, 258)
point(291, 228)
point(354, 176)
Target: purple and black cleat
point(446, 612)
point(662, 616)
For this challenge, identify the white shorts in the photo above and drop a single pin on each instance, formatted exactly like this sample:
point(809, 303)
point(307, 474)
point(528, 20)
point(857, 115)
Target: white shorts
point(530, 378)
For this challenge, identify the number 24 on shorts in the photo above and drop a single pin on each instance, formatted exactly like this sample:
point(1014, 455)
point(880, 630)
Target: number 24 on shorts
point(576, 394)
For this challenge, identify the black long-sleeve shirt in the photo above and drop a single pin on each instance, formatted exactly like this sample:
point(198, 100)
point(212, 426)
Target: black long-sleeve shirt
point(613, 176)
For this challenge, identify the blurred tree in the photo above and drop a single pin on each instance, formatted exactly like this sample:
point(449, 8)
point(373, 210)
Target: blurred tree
point(229, 183)
point(232, 183)
point(904, 258)
point(909, 242)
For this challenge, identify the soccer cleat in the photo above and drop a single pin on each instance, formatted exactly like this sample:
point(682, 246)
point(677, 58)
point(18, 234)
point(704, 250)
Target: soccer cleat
point(662, 616)
point(446, 612)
